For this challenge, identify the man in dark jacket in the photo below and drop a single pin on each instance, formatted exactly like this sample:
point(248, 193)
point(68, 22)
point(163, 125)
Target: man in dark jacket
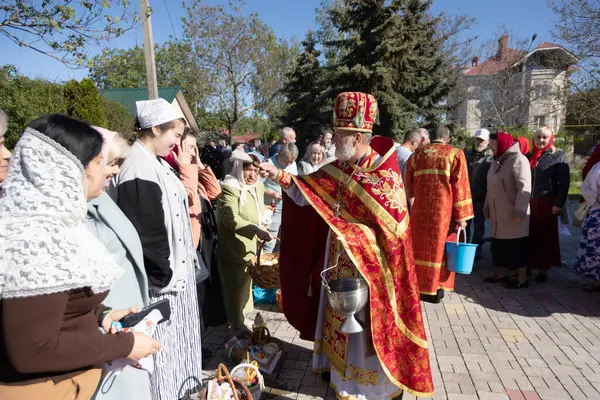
point(479, 159)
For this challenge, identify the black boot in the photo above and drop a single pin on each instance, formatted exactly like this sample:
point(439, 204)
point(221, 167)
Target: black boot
point(433, 298)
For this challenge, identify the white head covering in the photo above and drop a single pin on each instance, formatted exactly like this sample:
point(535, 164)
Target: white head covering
point(482, 134)
point(45, 247)
point(156, 112)
point(108, 137)
point(236, 178)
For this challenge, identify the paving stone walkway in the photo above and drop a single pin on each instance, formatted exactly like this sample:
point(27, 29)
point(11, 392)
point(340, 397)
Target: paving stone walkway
point(486, 342)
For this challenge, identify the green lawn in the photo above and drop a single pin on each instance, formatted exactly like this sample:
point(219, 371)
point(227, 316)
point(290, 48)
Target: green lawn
point(574, 190)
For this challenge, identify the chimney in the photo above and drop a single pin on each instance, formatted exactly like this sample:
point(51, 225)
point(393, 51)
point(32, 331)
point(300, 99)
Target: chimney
point(475, 61)
point(502, 48)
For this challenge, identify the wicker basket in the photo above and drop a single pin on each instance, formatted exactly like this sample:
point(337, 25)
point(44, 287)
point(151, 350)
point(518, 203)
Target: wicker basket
point(239, 354)
point(224, 376)
point(264, 276)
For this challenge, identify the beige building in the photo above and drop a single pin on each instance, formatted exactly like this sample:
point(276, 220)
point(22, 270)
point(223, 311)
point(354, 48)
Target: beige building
point(514, 88)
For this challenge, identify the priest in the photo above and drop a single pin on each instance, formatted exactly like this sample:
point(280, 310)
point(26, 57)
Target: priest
point(437, 184)
point(352, 214)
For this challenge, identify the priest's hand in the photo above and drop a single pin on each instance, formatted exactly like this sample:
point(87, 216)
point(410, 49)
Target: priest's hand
point(462, 224)
point(268, 170)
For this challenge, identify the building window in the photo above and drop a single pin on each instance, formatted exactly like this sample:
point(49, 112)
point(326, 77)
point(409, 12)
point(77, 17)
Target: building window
point(555, 123)
point(539, 121)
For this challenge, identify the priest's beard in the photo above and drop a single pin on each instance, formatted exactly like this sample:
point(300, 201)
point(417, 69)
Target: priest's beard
point(346, 151)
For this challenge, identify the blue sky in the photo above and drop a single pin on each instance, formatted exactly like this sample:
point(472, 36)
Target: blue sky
point(290, 18)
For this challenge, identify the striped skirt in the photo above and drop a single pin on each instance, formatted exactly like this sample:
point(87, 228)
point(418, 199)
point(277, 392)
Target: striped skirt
point(178, 363)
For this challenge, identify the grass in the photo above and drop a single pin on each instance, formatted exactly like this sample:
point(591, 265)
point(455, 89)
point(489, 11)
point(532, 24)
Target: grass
point(574, 190)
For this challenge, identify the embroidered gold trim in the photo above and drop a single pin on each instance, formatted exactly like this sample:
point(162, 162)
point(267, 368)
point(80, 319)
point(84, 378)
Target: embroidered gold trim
point(463, 203)
point(428, 264)
point(432, 172)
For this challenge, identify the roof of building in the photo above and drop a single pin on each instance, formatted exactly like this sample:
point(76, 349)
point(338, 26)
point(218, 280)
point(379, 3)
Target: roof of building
point(548, 45)
point(246, 137)
point(128, 96)
point(493, 65)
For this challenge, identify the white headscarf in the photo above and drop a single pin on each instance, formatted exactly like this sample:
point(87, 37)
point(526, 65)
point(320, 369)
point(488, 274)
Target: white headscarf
point(45, 247)
point(236, 178)
point(156, 112)
point(108, 137)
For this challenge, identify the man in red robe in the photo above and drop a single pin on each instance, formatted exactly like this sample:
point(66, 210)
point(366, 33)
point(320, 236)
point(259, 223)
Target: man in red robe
point(437, 184)
point(352, 215)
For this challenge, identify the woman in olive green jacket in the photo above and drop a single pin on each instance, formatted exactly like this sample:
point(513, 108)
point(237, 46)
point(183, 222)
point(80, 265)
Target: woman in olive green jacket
point(239, 213)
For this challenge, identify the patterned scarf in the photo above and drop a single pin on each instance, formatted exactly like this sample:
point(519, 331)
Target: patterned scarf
point(45, 247)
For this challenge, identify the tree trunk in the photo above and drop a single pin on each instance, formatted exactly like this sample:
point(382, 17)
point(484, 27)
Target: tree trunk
point(232, 125)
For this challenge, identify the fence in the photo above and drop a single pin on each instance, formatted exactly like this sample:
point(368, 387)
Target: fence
point(584, 142)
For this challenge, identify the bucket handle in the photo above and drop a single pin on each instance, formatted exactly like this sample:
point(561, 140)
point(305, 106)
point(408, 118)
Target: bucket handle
point(460, 228)
point(323, 279)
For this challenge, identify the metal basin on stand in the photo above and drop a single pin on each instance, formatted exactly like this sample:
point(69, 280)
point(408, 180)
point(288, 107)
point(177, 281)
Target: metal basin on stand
point(348, 296)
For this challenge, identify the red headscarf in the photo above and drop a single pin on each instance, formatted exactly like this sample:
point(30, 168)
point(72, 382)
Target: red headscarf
point(170, 159)
point(524, 145)
point(537, 153)
point(504, 142)
point(593, 160)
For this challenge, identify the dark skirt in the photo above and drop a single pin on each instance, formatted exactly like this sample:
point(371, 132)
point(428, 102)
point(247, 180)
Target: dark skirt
point(510, 253)
point(544, 247)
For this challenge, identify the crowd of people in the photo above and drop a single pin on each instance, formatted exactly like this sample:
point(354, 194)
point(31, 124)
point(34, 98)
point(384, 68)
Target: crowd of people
point(93, 229)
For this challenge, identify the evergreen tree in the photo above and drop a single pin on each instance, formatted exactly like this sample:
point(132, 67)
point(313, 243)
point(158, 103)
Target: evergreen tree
point(391, 51)
point(83, 102)
point(308, 110)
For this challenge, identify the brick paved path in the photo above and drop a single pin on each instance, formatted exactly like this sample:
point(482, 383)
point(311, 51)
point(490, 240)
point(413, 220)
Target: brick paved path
point(486, 342)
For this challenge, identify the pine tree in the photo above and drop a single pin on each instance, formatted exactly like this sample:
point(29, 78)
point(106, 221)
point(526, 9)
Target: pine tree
point(308, 110)
point(83, 102)
point(391, 51)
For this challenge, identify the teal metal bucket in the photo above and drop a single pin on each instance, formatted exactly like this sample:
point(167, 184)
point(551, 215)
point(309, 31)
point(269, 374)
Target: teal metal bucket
point(460, 256)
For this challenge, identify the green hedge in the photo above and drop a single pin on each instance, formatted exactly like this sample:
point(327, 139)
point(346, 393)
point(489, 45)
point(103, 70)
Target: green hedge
point(25, 99)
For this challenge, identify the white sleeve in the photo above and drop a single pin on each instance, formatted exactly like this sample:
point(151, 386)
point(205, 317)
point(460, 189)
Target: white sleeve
point(296, 195)
point(589, 188)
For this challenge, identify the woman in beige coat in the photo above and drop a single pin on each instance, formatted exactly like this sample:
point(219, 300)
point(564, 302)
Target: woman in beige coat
point(507, 206)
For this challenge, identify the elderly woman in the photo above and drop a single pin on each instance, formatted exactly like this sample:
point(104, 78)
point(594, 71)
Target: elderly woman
point(285, 159)
point(507, 206)
point(239, 213)
point(588, 255)
point(328, 144)
point(4, 153)
point(524, 146)
point(55, 273)
point(108, 223)
point(550, 188)
point(313, 160)
point(151, 195)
